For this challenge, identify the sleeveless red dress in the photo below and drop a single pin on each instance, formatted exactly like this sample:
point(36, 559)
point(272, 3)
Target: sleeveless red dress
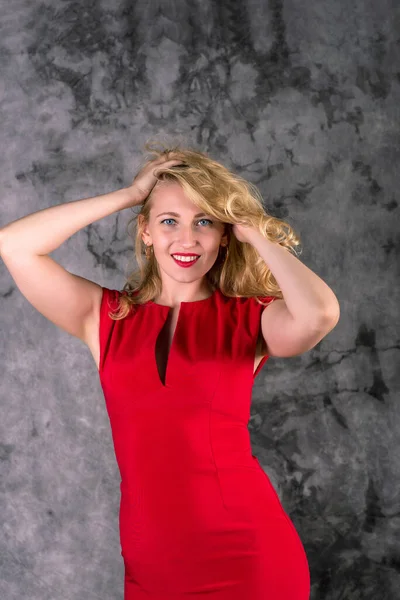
point(199, 518)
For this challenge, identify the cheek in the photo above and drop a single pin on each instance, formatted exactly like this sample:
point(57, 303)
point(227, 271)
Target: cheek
point(161, 240)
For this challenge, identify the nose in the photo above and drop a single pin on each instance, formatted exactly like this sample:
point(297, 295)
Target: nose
point(187, 237)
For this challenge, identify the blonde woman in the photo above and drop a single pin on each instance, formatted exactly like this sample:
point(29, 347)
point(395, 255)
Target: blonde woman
point(218, 290)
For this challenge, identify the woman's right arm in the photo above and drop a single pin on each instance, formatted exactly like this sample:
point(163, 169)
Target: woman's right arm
point(68, 300)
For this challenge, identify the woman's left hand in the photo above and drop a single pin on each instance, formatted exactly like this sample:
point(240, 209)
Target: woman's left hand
point(243, 233)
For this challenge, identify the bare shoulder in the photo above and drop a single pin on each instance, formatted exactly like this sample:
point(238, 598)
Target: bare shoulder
point(268, 315)
point(286, 336)
point(92, 324)
point(93, 317)
point(271, 310)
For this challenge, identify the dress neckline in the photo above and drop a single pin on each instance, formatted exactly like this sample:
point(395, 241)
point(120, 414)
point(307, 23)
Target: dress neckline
point(214, 293)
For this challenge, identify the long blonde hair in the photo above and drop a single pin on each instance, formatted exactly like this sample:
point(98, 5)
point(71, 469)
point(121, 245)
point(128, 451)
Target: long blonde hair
point(228, 198)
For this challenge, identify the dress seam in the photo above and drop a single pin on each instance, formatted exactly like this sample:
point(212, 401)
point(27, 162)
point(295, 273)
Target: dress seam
point(211, 443)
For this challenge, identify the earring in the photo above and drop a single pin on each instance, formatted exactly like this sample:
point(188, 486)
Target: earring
point(149, 251)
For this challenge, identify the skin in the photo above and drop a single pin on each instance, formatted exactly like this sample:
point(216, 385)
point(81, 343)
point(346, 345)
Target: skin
point(184, 234)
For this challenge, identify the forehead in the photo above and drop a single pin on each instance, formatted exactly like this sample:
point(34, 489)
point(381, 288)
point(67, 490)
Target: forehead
point(170, 196)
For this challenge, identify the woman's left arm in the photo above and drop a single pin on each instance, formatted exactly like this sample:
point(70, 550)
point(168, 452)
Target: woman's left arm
point(309, 309)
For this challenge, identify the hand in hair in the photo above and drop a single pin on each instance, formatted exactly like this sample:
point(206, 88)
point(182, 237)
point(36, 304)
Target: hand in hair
point(146, 178)
point(243, 233)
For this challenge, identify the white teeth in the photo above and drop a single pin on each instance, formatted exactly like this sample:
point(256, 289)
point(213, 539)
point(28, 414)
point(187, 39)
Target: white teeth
point(184, 258)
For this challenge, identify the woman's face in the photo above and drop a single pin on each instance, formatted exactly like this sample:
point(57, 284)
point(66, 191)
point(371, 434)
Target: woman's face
point(187, 231)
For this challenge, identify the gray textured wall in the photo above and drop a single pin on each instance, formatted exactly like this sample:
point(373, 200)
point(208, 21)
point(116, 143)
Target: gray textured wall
point(302, 98)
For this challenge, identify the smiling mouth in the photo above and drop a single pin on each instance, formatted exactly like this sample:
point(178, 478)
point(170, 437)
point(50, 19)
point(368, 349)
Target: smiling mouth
point(186, 260)
point(176, 255)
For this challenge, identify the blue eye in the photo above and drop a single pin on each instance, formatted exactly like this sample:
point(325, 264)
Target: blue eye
point(170, 219)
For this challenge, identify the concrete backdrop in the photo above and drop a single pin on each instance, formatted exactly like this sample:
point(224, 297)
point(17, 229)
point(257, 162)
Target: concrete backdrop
point(303, 100)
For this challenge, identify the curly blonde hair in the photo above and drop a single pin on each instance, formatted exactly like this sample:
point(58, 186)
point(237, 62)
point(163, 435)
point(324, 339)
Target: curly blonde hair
point(228, 198)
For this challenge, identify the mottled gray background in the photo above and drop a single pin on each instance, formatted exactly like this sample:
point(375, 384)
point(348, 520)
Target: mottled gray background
point(302, 98)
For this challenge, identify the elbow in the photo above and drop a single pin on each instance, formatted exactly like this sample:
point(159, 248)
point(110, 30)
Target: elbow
point(330, 317)
point(334, 313)
point(2, 239)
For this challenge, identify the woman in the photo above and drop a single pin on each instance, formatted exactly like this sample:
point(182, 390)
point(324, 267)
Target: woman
point(177, 351)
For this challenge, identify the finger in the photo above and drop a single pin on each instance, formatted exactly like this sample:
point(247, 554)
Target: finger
point(170, 163)
point(163, 161)
point(172, 160)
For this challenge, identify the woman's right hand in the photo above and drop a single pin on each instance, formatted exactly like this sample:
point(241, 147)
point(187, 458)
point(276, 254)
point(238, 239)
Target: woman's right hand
point(146, 178)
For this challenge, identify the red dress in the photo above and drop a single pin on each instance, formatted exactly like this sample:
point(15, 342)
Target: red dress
point(199, 518)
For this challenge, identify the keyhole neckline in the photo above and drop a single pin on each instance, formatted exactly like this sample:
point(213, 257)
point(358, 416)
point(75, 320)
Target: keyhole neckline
point(165, 311)
point(150, 302)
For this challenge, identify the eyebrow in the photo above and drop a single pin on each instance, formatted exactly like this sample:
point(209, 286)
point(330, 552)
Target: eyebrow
point(177, 215)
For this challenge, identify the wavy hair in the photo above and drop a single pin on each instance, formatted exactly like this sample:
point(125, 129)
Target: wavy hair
point(240, 272)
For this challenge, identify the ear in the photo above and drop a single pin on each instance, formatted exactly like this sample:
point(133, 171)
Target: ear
point(226, 235)
point(144, 229)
